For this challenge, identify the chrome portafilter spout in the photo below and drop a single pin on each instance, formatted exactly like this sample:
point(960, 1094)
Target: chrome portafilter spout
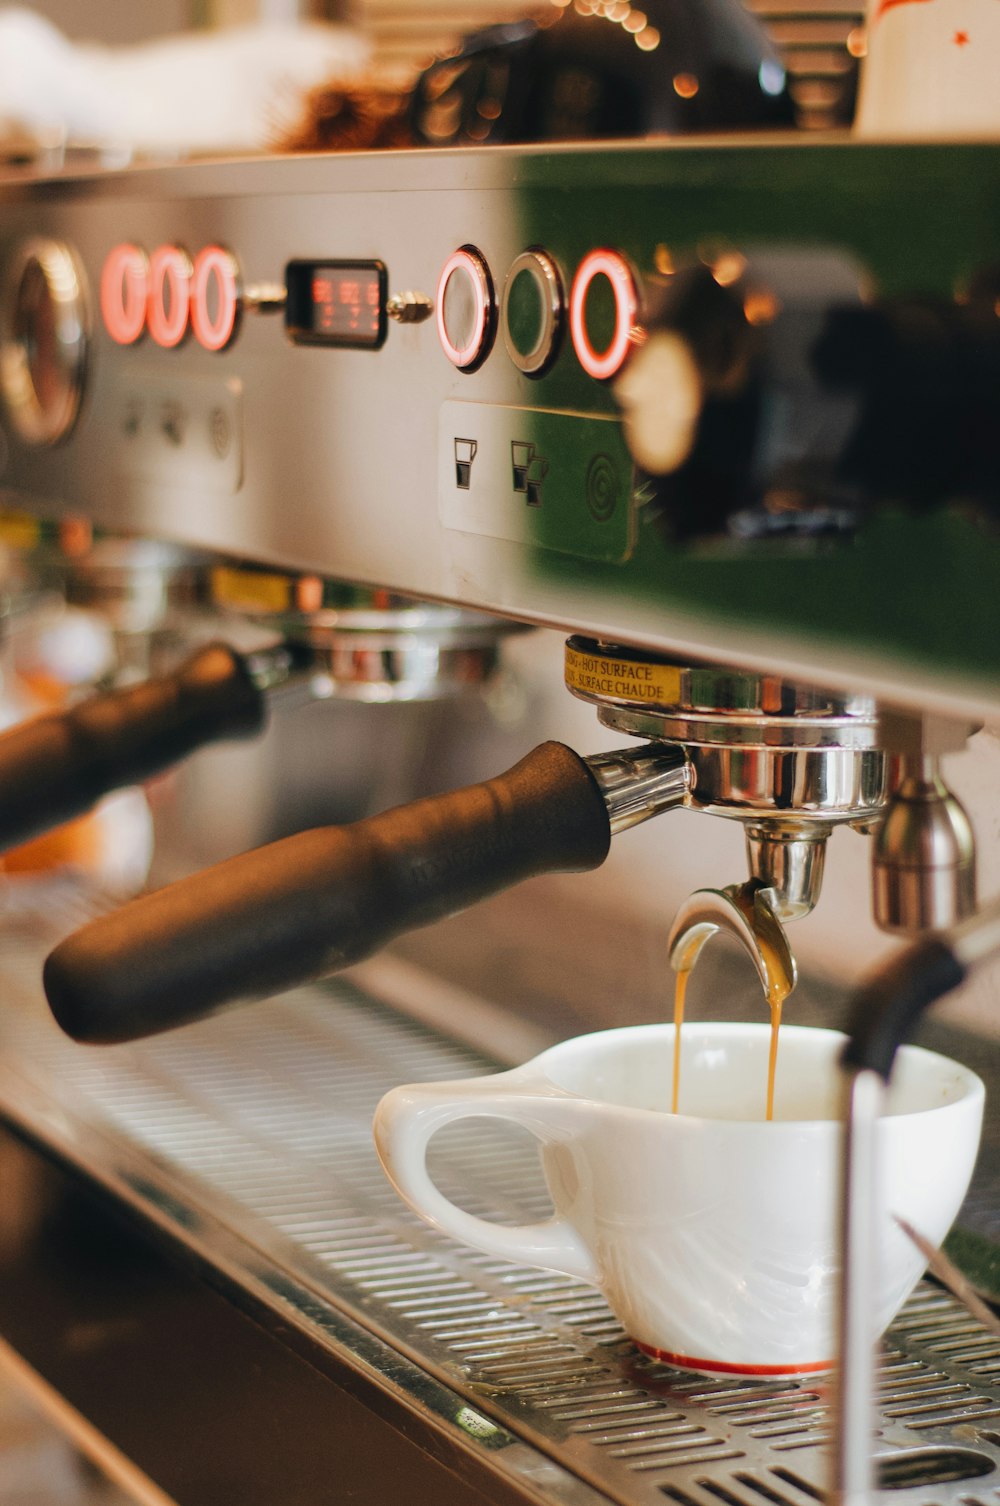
point(787, 858)
point(743, 912)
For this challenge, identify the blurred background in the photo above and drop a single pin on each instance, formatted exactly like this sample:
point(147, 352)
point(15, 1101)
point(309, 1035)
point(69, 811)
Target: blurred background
point(820, 41)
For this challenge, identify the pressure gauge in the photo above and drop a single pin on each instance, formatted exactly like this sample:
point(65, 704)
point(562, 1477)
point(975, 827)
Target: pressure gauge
point(44, 330)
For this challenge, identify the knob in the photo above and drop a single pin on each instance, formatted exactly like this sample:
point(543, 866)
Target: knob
point(409, 307)
point(44, 338)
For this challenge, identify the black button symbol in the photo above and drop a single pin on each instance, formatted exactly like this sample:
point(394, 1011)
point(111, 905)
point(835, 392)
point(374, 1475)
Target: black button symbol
point(173, 423)
point(132, 420)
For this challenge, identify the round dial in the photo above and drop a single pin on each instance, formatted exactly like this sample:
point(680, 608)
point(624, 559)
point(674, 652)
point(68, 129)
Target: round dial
point(44, 332)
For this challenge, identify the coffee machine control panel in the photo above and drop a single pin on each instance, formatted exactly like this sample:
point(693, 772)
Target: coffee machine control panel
point(637, 390)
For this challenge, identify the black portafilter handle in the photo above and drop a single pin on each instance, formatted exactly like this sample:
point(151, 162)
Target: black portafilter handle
point(58, 765)
point(306, 906)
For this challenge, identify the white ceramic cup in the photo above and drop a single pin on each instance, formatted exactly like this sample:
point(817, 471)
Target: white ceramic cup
point(712, 1233)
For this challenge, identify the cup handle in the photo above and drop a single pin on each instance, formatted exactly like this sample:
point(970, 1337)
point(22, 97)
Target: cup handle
point(406, 1119)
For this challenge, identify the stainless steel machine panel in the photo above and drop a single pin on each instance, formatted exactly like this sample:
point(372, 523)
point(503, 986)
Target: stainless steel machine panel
point(552, 522)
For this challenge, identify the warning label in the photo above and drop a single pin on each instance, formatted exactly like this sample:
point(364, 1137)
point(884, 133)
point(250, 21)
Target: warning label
point(622, 679)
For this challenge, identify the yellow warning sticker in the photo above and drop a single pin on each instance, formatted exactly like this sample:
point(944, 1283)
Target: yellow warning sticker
point(19, 530)
point(632, 680)
point(251, 590)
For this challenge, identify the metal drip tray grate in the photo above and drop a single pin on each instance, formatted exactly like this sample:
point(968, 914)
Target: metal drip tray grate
point(264, 1116)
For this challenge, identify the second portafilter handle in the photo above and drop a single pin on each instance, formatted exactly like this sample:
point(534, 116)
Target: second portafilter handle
point(58, 765)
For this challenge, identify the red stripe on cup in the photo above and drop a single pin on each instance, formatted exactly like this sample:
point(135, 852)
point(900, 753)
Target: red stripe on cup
point(724, 1367)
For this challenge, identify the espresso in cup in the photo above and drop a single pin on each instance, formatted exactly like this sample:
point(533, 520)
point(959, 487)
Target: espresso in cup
point(712, 1232)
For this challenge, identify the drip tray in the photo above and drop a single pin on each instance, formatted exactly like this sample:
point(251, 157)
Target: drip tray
point(257, 1124)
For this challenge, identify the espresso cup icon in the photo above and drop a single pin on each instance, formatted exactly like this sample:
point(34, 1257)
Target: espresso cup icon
point(465, 454)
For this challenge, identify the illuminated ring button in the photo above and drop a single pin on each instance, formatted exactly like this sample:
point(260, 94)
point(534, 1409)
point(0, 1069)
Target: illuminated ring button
point(532, 313)
point(604, 364)
point(215, 297)
point(465, 309)
point(124, 292)
point(169, 302)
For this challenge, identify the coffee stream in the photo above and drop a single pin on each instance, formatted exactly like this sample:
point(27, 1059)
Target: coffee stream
point(779, 986)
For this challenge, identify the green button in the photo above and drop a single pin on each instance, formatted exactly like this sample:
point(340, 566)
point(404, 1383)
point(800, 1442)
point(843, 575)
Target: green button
point(525, 312)
point(532, 312)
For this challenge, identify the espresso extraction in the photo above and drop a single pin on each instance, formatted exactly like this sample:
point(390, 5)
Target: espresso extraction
point(722, 414)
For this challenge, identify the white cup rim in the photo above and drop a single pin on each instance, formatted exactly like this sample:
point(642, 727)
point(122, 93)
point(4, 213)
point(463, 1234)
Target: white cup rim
point(972, 1087)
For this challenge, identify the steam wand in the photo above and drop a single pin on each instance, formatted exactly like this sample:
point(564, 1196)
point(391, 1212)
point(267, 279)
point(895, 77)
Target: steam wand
point(884, 1012)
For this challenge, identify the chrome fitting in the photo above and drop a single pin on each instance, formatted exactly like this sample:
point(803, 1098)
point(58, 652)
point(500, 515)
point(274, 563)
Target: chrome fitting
point(641, 782)
point(788, 860)
point(924, 860)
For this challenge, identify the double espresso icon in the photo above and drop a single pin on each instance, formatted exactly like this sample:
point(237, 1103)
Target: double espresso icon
point(529, 469)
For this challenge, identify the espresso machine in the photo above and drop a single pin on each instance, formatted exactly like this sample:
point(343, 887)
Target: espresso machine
point(716, 419)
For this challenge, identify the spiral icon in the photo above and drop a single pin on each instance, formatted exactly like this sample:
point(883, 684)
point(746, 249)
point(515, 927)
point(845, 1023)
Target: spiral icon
point(602, 488)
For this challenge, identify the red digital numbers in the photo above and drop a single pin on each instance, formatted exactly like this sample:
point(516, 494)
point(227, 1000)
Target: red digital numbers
point(167, 294)
point(343, 305)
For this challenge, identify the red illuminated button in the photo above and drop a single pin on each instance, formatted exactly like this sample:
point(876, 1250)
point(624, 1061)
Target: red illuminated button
point(124, 291)
point(610, 265)
point(169, 303)
point(215, 297)
point(466, 309)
